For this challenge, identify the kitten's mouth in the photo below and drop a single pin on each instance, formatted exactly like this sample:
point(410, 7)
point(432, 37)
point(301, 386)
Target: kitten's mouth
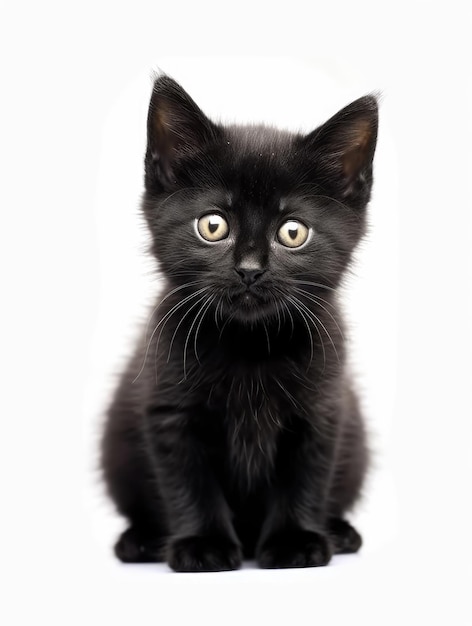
point(249, 304)
point(248, 298)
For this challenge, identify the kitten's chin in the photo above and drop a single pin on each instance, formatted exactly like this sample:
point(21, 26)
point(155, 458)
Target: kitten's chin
point(249, 308)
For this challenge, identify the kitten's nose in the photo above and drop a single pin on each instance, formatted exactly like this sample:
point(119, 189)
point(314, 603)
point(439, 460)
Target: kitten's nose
point(249, 275)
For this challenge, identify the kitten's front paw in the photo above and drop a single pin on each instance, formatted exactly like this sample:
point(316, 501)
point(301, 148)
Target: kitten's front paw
point(343, 536)
point(295, 548)
point(204, 554)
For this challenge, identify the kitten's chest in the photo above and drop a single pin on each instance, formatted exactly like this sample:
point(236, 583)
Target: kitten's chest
point(252, 408)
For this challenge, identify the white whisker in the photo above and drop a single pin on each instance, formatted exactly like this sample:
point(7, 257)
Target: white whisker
point(198, 327)
point(188, 337)
point(309, 332)
point(314, 299)
point(162, 320)
point(308, 282)
point(171, 343)
point(315, 317)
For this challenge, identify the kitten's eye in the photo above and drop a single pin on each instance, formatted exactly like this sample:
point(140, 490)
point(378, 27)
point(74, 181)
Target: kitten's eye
point(213, 227)
point(293, 234)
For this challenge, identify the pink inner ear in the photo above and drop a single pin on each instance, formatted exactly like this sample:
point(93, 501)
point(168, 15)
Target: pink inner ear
point(162, 133)
point(357, 149)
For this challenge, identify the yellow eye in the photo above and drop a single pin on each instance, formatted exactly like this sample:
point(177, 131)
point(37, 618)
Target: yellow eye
point(213, 227)
point(293, 234)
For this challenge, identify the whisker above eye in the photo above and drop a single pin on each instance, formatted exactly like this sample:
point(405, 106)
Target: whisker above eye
point(183, 190)
point(317, 196)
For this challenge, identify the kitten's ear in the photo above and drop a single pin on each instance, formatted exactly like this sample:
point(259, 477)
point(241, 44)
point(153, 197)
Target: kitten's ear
point(176, 127)
point(344, 146)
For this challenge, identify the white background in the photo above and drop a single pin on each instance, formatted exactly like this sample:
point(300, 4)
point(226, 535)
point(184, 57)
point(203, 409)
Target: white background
point(75, 281)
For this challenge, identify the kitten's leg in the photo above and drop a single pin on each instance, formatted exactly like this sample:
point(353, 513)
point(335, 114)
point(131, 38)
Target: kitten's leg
point(132, 487)
point(349, 472)
point(203, 536)
point(320, 473)
point(294, 531)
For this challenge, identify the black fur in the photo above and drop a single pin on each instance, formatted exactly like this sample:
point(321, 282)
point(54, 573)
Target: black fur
point(235, 431)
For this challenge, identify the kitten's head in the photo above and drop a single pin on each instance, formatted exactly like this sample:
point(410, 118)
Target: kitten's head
point(253, 216)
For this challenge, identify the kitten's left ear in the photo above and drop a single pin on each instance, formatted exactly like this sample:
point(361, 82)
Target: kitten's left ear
point(177, 127)
point(344, 146)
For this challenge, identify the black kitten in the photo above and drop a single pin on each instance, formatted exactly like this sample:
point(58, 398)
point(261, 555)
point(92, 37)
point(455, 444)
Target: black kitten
point(235, 430)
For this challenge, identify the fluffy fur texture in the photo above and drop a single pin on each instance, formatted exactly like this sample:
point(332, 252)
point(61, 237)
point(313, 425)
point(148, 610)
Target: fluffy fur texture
point(235, 431)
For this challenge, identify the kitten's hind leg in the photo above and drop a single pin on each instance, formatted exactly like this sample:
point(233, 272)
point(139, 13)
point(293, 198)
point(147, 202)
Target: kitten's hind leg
point(132, 486)
point(344, 538)
point(140, 545)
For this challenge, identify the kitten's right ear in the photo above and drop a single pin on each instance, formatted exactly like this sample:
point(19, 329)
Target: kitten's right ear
point(344, 146)
point(176, 127)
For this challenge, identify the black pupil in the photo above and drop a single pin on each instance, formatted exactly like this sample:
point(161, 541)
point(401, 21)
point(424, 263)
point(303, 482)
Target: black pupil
point(293, 232)
point(213, 227)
